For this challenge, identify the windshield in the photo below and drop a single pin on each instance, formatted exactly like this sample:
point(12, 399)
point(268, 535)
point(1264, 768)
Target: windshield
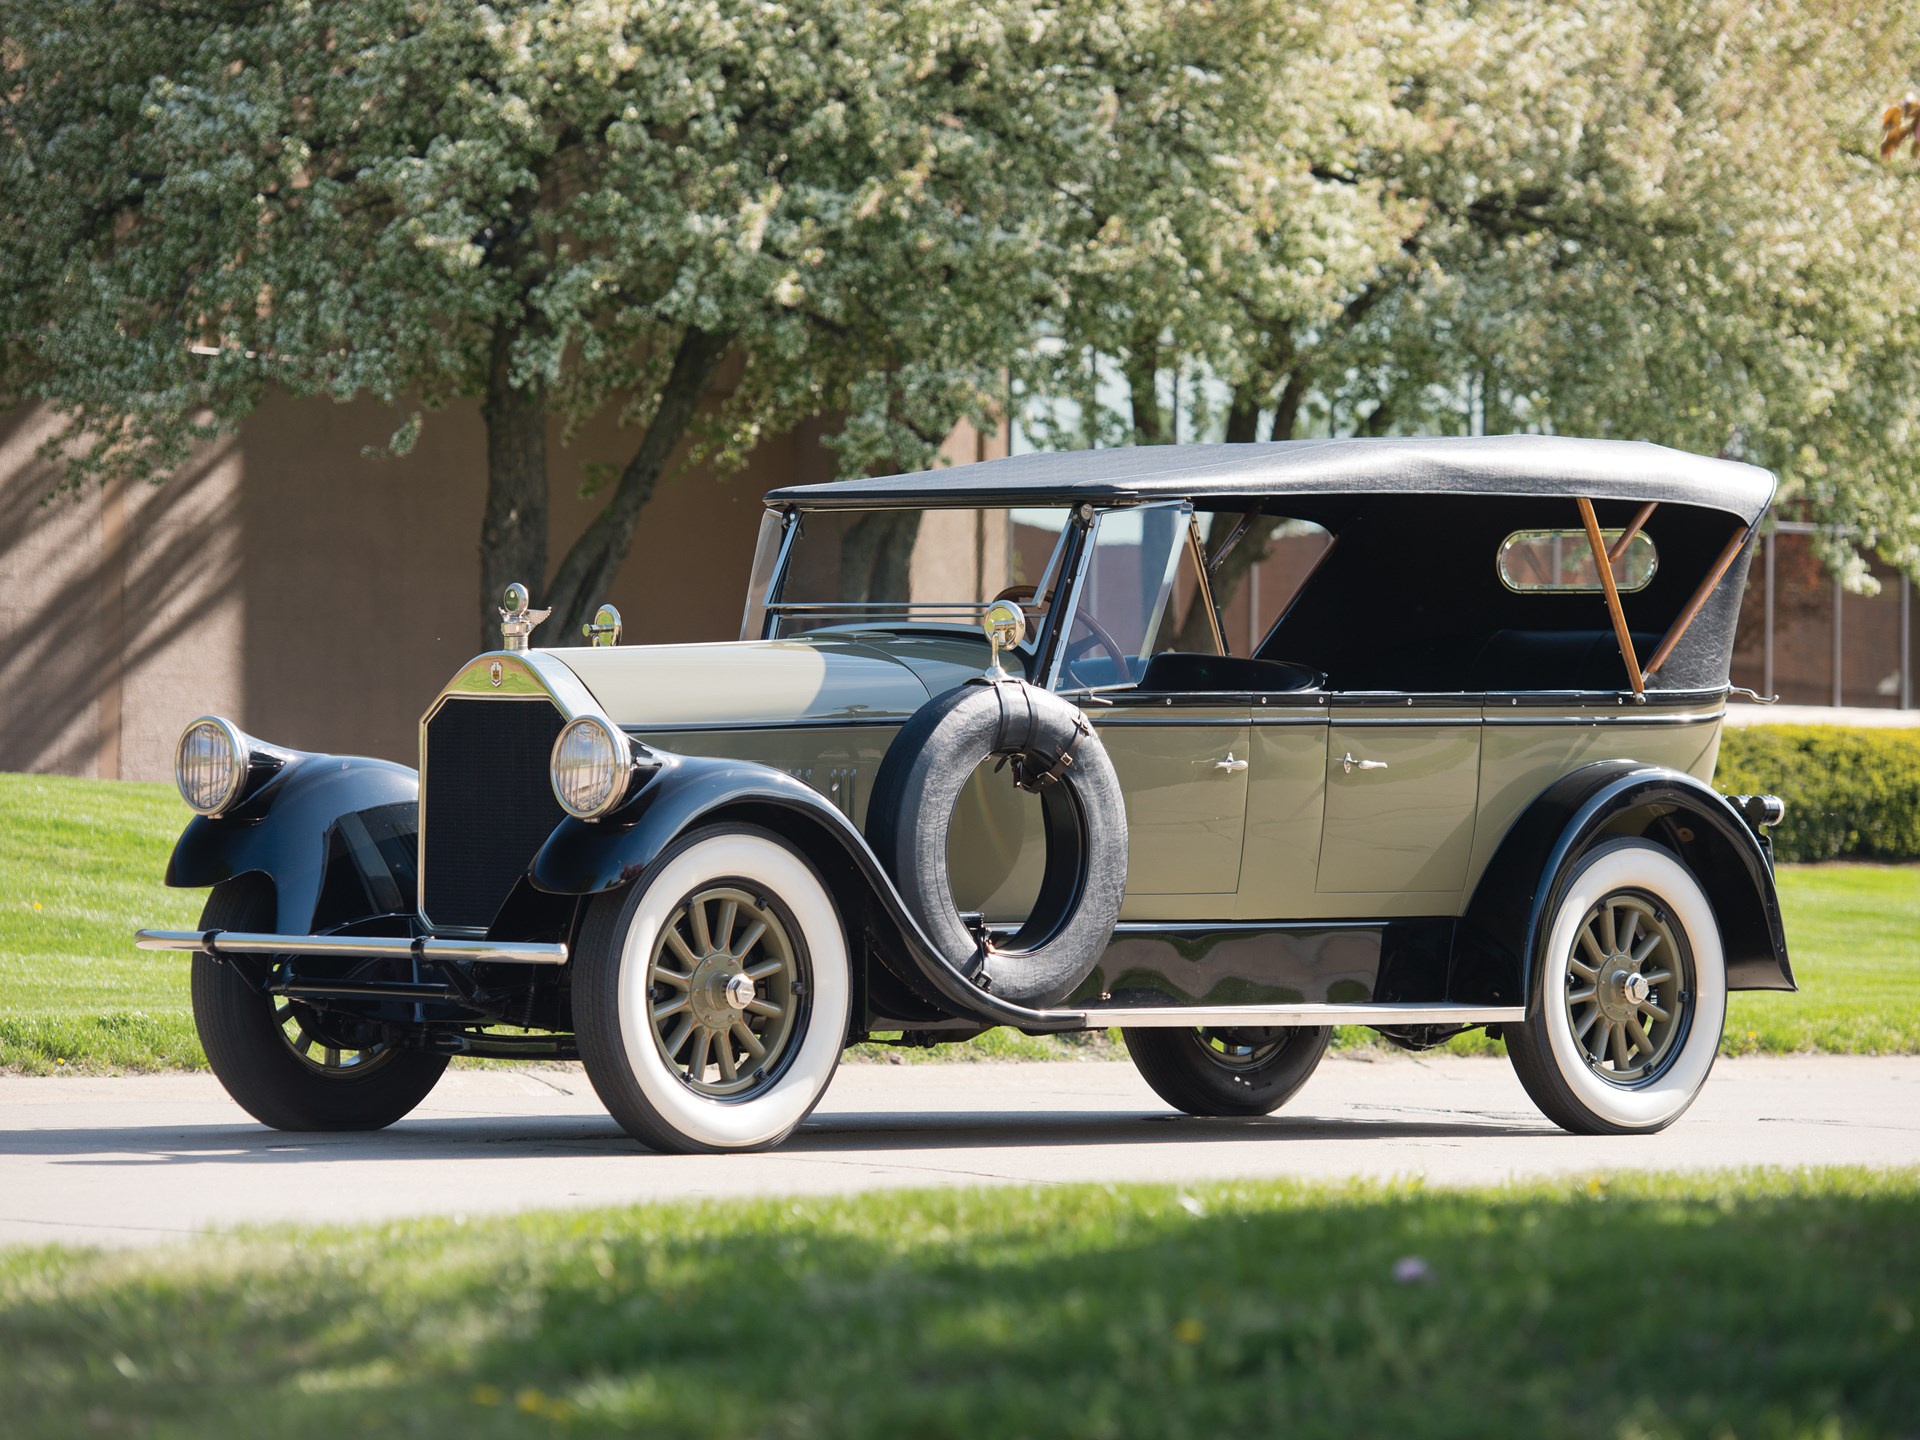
point(868, 569)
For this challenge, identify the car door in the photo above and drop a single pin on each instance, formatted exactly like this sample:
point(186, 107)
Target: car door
point(1403, 777)
point(1183, 763)
point(1286, 804)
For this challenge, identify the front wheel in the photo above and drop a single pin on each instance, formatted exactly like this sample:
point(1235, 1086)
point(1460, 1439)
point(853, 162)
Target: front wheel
point(1227, 1072)
point(711, 998)
point(1632, 996)
point(285, 1063)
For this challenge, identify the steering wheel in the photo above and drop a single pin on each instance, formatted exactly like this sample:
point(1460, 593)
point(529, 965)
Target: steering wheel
point(1078, 650)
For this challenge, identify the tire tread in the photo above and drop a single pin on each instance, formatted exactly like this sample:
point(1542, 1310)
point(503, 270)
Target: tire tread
point(249, 1057)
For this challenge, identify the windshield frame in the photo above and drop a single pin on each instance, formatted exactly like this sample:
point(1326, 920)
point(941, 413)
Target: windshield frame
point(1053, 658)
point(1065, 579)
point(769, 608)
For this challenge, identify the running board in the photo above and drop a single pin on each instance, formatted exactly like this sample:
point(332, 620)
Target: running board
point(349, 947)
point(1264, 1016)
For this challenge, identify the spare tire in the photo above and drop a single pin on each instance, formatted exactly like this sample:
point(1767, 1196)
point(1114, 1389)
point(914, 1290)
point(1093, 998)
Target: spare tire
point(1055, 754)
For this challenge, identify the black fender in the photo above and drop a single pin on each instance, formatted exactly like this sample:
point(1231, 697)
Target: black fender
point(1497, 948)
point(591, 857)
point(338, 835)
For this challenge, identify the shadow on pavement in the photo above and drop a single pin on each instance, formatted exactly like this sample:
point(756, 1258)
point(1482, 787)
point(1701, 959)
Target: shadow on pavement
point(854, 1133)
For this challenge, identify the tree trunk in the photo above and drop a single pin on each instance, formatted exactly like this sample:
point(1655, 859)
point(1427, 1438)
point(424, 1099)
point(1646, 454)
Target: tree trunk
point(594, 561)
point(1243, 416)
point(513, 532)
point(1143, 385)
point(876, 556)
point(1286, 415)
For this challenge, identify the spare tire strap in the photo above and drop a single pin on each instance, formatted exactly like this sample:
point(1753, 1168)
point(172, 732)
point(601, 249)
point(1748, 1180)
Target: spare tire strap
point(1032, 771)
point(1028, 779)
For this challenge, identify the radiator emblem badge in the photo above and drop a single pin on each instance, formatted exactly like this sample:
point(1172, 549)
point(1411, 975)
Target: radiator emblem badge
point(494, 674)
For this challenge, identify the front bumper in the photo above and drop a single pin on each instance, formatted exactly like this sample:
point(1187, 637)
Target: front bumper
point(354, 947)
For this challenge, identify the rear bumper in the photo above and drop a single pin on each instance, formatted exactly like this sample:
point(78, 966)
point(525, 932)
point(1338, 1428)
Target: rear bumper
point(351, 947)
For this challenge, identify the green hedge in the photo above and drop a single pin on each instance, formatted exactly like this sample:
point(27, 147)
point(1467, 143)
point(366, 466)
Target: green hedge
point(1849, 792)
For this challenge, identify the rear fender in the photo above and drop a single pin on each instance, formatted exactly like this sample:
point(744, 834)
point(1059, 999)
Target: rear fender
point(336, 834)
point(1497, 950)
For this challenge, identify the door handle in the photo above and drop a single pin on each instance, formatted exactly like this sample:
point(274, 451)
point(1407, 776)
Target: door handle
point(1230, 764)
point(1349, 764)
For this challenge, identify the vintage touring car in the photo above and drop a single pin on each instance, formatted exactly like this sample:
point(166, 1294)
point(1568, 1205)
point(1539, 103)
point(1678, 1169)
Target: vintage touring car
point(988, 754)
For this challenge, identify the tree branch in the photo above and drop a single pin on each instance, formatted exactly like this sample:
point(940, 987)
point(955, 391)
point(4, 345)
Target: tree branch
point(594, 561)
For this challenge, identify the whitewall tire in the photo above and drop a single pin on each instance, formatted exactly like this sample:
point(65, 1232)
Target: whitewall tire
point(711, 999)
point(1632, 995)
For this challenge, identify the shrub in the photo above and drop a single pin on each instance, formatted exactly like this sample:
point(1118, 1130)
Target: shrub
point(1849, 792)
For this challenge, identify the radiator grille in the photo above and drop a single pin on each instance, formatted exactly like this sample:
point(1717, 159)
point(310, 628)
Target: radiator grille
point(487, 804)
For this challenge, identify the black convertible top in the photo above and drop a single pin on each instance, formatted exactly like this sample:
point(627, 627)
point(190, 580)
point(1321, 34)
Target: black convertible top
point(1512, 465)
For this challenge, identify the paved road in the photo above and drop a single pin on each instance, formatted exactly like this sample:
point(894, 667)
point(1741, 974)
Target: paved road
point(135, 1161)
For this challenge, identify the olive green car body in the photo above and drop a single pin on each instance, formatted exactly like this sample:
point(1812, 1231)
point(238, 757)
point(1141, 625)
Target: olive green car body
point(1293, 836)
point(1382, 842)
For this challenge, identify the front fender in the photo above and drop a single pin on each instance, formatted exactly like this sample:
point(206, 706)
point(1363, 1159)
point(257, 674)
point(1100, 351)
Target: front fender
point(1497, 951)
point(589, 857)
point(585, 857)
point(313, 814)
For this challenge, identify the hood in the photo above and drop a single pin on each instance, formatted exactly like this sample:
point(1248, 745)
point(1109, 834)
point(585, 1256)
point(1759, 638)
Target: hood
point(765, 682)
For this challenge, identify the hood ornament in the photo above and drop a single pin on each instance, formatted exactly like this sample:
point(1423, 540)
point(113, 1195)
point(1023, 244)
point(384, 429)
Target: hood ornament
point(516, 620)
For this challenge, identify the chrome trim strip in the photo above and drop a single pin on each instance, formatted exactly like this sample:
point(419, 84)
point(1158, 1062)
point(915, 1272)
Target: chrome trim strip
point(1169, 1016)
point(1592, 719)
point(789, 532)
point(1583, 718)
point(1621, 698)
point(376, 947)
point(1195, 928)
point(640, 731)
point(1050, 646)
point(882, 607)
point(524, 675)
point(1408, 699)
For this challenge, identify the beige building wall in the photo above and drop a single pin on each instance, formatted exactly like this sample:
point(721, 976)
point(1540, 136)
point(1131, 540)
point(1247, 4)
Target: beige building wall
point(316, 596)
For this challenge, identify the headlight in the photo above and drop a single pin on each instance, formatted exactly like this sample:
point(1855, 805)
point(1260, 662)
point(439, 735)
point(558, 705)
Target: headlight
point(210, 764)
point(592, 763)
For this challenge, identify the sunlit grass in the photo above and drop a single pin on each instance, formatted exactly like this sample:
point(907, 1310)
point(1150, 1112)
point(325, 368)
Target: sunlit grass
point(1755, 1305)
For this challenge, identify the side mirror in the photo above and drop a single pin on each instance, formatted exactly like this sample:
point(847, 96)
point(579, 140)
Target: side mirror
point(1005, 626)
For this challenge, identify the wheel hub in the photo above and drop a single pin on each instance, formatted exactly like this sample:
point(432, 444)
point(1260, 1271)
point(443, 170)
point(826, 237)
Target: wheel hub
point(1622, 988)
point(725, 988)
point(1627, 994)
point(720, 990)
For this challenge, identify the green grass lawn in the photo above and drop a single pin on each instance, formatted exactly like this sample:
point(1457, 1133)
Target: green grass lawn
point(1758, 1305)
point(82, 861)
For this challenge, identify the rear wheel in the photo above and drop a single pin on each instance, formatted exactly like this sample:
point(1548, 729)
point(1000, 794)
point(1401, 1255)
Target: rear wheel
point(1633, 996)
point(1244, 1071)
point(286, 1064)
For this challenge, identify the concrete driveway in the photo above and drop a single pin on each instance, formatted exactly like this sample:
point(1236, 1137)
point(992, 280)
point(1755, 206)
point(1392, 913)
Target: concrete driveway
point(145, 1159)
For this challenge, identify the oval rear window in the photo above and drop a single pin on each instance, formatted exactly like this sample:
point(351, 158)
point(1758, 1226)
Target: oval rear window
point(1562, 560)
